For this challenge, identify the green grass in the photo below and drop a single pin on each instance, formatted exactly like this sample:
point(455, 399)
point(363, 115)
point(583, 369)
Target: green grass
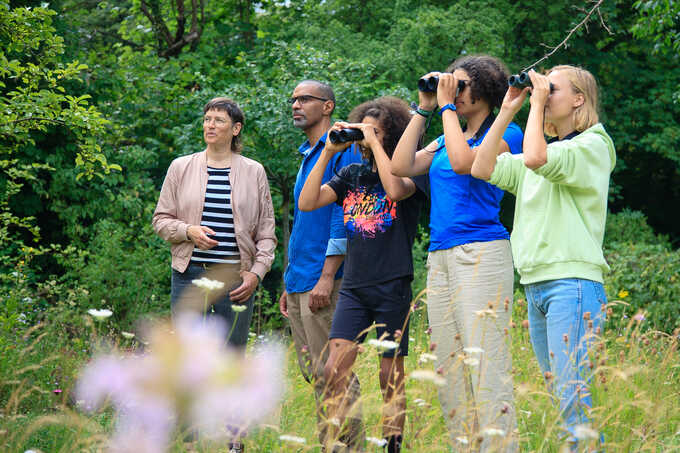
point(636, 391)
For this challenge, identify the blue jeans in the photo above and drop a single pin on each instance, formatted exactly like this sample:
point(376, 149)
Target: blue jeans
point(564, 318)
point(221, 307)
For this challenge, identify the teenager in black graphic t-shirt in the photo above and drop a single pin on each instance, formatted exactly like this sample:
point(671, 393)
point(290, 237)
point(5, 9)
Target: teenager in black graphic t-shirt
point(380, 215)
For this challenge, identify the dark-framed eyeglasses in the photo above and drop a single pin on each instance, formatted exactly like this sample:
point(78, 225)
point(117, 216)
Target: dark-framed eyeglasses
point(305, 98)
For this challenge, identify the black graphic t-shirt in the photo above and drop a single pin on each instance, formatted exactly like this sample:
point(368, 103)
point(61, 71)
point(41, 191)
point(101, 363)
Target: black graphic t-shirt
point(380, 232)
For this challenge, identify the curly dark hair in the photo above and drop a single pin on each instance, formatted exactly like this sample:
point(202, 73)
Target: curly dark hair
point(489, 77)
point(392, 113)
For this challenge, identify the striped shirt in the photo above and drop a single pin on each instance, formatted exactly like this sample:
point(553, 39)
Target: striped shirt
point(218, 216)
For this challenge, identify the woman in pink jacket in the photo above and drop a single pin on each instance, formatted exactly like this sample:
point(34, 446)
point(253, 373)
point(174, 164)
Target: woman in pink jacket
point(216, 211)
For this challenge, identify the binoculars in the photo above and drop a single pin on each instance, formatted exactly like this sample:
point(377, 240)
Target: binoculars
point(429, 84)
point(345, 135)
point(522, 80)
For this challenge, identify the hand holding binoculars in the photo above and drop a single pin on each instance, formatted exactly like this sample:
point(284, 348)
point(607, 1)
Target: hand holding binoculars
point(429, 84)
point(345, 135)
point(522, 80)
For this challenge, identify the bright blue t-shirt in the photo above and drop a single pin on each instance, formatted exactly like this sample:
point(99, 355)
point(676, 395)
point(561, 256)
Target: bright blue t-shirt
point(319, 233)
point(465, 209)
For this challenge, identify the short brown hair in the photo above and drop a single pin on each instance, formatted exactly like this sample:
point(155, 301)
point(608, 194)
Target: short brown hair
point(582, 81)
point(235, 113)
point(392, 113)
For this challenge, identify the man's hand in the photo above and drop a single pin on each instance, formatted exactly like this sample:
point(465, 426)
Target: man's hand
point(320, 296)
point(283, 303)
point(246, 289)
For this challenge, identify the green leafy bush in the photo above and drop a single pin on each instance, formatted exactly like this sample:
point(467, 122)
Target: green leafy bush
point(645, 272)
point(126, 270)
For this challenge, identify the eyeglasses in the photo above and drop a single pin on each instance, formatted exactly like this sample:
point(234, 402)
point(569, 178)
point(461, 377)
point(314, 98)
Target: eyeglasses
point(305, 98)
point(218, 121)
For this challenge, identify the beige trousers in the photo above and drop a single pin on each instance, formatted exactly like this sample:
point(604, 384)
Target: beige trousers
point(469, 304)
point(310, 336)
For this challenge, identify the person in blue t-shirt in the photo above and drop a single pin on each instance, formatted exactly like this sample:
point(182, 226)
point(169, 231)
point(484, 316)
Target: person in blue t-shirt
point(381, 218)
point(470, 273)
point(316, 251)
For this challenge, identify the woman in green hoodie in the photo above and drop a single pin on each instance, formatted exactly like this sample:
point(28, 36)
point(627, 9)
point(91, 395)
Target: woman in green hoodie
point(561, 188)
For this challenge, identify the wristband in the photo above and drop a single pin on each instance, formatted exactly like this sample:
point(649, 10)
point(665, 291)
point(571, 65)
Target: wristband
point(421, 112)
point(451, 107)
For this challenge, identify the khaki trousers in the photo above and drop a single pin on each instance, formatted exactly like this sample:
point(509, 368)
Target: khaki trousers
point(310, 336)
point(468, 286)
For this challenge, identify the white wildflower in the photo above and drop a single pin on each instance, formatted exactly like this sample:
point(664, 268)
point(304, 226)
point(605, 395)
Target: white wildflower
point(493, 432)
point(293, 439)
point(334, 421)
point(383, 344)
point(426, 375)
point(207, 284)
point(128, 335)
point(427, 357)
point(238, 308)
point(486, 313)
point(377, 441)
point(462, 439)
point(471, 361)
point(99, 314)
point(584, 432)
point(473, 350)
point(420, 402)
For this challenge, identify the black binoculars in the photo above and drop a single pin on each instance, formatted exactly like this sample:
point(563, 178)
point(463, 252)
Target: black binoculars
point(522, 80)
point(345, 135)
point(429, 84)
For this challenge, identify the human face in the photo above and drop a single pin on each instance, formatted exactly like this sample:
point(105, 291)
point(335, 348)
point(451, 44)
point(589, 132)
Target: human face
point(218, 128)
point(463, 102)
point(308, 111)
point(562, 100)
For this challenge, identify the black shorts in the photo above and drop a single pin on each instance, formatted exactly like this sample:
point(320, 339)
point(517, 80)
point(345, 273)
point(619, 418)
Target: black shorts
point(387, 303)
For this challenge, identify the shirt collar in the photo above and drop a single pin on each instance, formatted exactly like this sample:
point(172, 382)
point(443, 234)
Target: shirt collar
point(569, 136)
point(306, 147)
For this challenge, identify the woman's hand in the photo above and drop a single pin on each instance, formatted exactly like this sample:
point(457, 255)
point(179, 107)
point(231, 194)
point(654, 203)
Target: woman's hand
point(198, 234)
point(513, 100)
point(246, 289)
point(446, 90)
point(540, 90)
point(428, 101)
point(370, 140)
point(331, 149)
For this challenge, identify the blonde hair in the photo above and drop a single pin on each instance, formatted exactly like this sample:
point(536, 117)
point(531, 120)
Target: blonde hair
point(583, 82)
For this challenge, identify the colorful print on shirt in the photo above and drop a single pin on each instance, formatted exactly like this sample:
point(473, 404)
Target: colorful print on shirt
point(368, 214)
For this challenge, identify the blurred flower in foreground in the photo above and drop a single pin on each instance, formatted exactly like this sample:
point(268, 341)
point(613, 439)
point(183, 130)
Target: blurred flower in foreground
point(377, 441)
point(207, 284)
point(99, 314)
point(584, 432)
point(426, 375)
point(238, 308)
point(293, 439)
point(189, 380)
point(383, 344)
point(128, 335)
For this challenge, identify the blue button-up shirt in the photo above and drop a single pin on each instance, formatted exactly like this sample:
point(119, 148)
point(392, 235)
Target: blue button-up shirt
point(319, 233)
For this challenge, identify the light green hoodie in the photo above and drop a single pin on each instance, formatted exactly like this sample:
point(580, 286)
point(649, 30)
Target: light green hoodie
point(561, 207)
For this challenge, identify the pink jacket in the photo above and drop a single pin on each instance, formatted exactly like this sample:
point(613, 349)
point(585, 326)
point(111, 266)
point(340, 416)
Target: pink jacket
point(181, 205)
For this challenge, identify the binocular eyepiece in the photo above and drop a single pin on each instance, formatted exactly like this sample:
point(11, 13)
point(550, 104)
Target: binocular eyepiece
point(345, 135)
point(429, 84)
point(522, 80)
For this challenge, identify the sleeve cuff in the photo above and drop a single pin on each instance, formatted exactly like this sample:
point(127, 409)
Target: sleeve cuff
point(336, 247)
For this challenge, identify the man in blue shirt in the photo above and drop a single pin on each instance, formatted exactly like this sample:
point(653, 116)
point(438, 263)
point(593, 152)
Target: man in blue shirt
point(315, 254)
